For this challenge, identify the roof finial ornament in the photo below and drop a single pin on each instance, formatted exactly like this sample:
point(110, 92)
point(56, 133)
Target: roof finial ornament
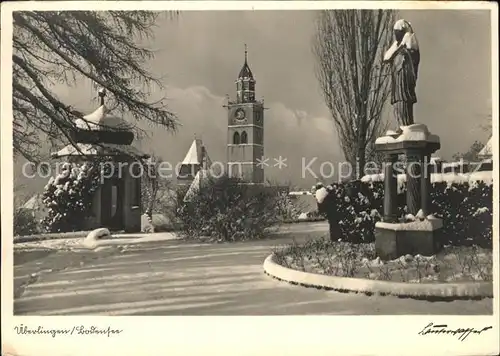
point(246, 53)
point(102, 94)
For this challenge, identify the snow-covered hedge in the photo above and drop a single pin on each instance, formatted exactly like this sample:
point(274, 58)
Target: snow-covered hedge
point(68, 196)
point(351, 209)
point(465, 205)
point(288, 207)
point(222, 209)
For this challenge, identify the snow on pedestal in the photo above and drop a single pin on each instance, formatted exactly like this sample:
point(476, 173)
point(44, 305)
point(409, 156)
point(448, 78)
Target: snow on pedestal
point(415, 132)
point(418, 225)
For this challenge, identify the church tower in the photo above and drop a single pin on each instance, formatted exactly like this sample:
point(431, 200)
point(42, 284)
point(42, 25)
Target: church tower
point(245, 134)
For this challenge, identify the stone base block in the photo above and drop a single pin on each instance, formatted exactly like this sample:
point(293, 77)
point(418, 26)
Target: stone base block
point(395, 240)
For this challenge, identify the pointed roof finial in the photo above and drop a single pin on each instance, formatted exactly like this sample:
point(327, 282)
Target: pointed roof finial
point(102, 94)
point(245, 71)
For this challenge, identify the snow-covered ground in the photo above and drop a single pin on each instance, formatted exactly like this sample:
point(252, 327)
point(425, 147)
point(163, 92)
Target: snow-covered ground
point(76, 244)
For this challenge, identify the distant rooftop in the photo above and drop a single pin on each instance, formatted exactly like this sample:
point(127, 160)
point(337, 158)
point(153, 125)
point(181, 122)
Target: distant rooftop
point(487, 150)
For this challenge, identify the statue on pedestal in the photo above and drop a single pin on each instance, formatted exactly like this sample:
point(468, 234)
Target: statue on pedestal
point(404, 57)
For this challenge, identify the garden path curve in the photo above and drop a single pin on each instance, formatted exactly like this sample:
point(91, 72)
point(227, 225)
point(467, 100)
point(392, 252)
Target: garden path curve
point(180, 278)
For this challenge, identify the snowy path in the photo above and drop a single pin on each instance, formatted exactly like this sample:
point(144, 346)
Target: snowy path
point(178, 278)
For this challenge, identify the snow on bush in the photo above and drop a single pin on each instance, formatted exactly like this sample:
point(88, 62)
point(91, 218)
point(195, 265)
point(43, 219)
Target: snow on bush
point(352, 210)
point(287, 207)
point(226, 210)
point(465, 207)
point(68, 196)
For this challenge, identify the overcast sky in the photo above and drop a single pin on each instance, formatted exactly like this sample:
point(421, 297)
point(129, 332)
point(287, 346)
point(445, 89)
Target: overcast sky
point(200, 54)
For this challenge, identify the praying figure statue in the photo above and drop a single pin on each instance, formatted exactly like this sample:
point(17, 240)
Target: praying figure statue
point(404, 58)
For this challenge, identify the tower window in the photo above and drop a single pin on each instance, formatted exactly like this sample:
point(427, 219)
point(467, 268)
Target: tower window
point(244, 137)
point(258, 137)
point(236, 138)
point(257, 117)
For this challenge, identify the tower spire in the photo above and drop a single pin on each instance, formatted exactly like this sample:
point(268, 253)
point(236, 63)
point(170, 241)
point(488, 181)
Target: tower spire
point(245, 84)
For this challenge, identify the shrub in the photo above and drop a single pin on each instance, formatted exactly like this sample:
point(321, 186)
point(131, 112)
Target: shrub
point(466, 210)
point(332, 258)
point(156, 190)
point(223, 209)
point(288, 207)
point(352, 211)
point(68, 196)
point(25, 222)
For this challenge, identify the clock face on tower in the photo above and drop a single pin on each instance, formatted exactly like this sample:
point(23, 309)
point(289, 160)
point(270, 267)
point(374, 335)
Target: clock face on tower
point(239, 114)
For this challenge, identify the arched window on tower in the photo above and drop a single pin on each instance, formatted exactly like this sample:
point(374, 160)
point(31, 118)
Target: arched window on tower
point(244, 137)
point(236, 138)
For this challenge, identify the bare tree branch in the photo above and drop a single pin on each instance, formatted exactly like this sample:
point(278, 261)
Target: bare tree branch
point(64, 47)
point(348, 47)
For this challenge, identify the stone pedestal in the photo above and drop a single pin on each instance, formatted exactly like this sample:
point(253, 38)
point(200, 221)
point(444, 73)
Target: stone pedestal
point(425, 184)
point(413, 178)
point(390, 188)
point(394, 239)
